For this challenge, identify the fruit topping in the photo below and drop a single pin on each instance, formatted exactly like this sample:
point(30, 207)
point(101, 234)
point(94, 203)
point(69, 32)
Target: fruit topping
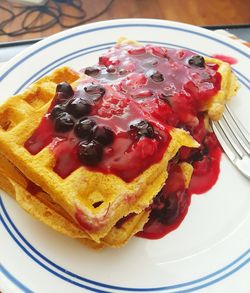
point(84, 128)
point(78, 107)
point(95, 91)
point(118, 122)
point(123, 220)
point(123, 71)
point(197, 60)
point(58, 109)
point(172, 86)
point(162, 72)
point(137, 51)
point(229, 59)
point(64, 122)
point(32, 188)
point(143, 128)
point(166, 98)
point(101, 134)
point(65, 88)
point(90, 153)
point(104, 135)
point(111, 69)
point(159, 51)
point(156, 76)
point(169, 207)
point(92, 71)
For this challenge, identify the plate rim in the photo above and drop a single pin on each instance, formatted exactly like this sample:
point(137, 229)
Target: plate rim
point(128, 22)
point(122, 21)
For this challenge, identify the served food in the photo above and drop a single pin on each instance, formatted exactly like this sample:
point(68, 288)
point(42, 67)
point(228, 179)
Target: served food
point(118, 148)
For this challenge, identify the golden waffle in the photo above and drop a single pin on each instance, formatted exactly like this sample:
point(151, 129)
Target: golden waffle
point(21, 114)
point(56, 203)
point(229, 87)
point(41, 207)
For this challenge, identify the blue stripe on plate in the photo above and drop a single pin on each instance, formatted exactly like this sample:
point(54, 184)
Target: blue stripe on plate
point(17, 283)
point(218, 279)
point(164, 288)
point(216, 39)
point(92, 49)
point(79, 277)
point(62, 60)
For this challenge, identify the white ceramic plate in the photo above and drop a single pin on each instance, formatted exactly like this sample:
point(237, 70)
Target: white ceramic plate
point(208, 252)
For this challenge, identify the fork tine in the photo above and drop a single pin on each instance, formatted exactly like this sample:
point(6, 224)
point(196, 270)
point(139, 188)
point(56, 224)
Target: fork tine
point(244, 166)
point(242, 163)
point(225, 143)
point(230, 135)
point(239, 130)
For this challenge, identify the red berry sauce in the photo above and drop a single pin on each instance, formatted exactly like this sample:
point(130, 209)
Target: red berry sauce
point(173, 86)
point(132, 147)
point(169, 207)
point(163, 80)
point(32, 188)
point(224, 58)
point(119, 120)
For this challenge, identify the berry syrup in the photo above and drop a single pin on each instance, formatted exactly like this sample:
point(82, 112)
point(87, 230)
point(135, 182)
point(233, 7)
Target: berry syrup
point(101, 129)
point(173, 86)
point(224, 58)
point(169, 207)
point(119, 120)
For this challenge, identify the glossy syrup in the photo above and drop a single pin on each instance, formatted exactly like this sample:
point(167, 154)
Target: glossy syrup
point(176, 99)
point(128, 155)
point(158, 85)
point(225, 58)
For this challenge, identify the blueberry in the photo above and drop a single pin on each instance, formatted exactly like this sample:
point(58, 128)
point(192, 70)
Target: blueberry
point(166, 97)
point(111, 69)
point(168, 214)
point(56, 111)
point(156, 76)
point(65, 88)
point(95, 91)
point(104, 135)
point(78, 107)
point(90, 153)
point(144, 128)
point(196, 156)
point(205, 76)
point(85, 128)
point(197, 60)
point(92, 71)
point(64, 122)
point(123, 71)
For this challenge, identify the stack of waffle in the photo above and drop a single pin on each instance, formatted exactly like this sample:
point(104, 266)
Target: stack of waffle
point(102, 208)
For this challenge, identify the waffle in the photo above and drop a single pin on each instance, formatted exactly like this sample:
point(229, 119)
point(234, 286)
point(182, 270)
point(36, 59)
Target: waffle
point(229, 87)
point(41, 207)
point(100, 208)
point(21, 114)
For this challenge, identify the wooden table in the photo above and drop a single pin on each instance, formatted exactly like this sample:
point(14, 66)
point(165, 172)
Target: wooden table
point(197, 12)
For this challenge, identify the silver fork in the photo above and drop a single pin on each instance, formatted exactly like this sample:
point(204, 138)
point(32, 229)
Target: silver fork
point(235, 140)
